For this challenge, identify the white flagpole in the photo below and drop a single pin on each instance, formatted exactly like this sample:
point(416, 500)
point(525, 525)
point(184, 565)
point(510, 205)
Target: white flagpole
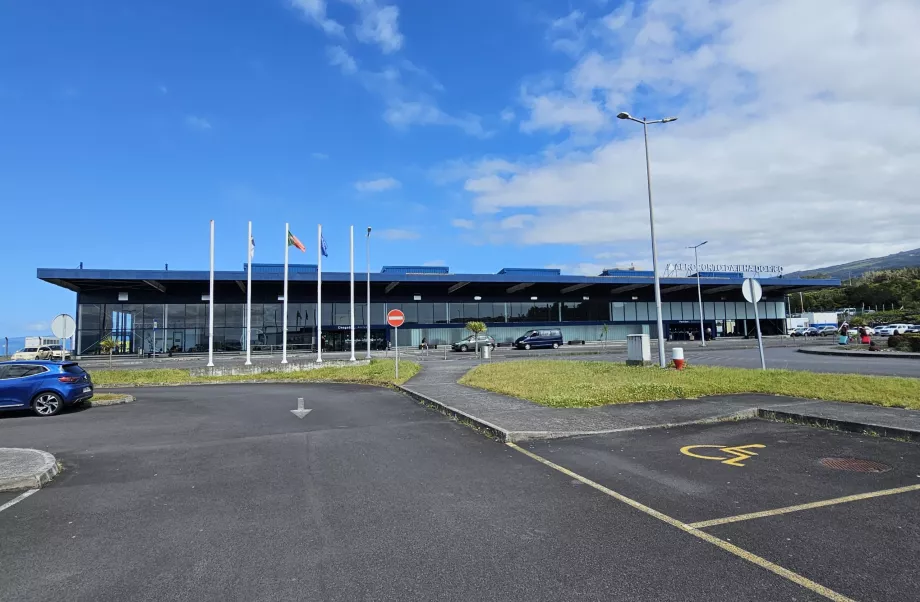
point(352, 297)
point(249, 297)
point(319, 294)
point(211, 305)
point(287, 247)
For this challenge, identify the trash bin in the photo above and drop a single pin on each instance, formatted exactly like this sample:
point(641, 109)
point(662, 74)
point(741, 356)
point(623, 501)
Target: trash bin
point(485, 352)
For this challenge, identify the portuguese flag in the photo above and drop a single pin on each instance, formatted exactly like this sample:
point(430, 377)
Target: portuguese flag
point(293, 241)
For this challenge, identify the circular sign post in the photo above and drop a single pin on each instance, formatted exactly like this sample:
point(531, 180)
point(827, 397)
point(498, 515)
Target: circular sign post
point(63, 327)
point(753, 293)
point(396, 318)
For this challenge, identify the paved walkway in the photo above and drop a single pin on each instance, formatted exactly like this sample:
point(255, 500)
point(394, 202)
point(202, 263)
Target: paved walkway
point(515, 419)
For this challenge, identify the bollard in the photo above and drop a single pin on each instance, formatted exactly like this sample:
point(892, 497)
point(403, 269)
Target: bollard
point(677, 354)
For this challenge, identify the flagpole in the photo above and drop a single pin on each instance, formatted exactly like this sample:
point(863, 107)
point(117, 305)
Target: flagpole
point(352, 297)
point(249, 297)
point(211, 305)
point(287, 247)
point(319, 294)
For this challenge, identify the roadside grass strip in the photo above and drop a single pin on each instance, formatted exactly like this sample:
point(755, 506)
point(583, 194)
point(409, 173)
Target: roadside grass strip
point(378, 372)
point(574, 384)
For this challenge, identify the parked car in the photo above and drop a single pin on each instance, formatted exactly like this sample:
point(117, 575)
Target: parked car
point(551, 337)
point(44, 386)
point(827, 330)
point(471, 342)
point(914, 329)
point(46, 352)
point(804, 331)
point(892, 329)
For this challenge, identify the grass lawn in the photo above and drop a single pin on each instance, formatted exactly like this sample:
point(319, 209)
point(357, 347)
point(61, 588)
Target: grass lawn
point(568, 384)
point(378, 372)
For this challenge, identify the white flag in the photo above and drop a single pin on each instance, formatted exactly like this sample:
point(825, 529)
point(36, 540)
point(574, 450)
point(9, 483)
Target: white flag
point(252, 247)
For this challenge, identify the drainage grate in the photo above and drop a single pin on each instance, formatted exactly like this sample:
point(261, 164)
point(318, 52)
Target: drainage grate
point(854, 465)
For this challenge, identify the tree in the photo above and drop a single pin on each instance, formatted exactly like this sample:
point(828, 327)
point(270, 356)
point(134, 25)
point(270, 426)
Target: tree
point(604, 334)
point(108, 345)
point(476, 328)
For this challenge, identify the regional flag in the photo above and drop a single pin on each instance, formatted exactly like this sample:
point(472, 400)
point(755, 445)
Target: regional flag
point(322, 246)
point(293, 241)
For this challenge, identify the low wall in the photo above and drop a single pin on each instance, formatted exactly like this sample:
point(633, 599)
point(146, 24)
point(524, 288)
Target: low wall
point(295, 366)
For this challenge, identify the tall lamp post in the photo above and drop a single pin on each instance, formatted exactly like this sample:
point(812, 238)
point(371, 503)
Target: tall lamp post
point(699, 289)
point(368, 250)
point(651, 218)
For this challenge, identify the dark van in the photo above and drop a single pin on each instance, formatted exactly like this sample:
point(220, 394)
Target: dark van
point(550, 337)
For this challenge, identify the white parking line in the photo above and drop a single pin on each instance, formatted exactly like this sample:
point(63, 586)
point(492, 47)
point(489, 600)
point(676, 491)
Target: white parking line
point(17, 499)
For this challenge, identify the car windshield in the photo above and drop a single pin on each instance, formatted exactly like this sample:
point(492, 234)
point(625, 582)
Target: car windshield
point(531, 333)
point(28, 350)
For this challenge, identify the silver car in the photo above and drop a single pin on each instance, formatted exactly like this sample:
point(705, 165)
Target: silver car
point(471, 342)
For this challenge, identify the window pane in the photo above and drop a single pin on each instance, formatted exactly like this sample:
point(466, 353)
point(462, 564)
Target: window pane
point(439, 313)
point(730, 313)
point(470, 311)
point(90, 316)
point(235, 315)
point(411, 311)
point(642, 311)
point(687, 310)
point(708, 310)
point(618, 312)
point(426, 313)
point(378, 314)
point(630, 312)
point(696, 311)
point(719, 310)
point(742, 310)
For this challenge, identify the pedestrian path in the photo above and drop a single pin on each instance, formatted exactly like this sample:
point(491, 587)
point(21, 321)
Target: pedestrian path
point(513, 419)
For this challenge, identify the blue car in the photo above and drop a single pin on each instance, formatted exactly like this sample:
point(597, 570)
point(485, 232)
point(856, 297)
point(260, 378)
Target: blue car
point(43, 385)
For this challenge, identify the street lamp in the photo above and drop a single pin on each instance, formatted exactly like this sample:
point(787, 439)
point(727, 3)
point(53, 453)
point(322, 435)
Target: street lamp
point(699, 290)
point(368, 248)
point(651, 218)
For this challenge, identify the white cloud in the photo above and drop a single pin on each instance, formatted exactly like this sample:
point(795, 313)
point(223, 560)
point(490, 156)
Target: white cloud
point(435, 263)
point(464, 224)
point(578, 269)
point(566, 34)
point(42, 327)
point(339, 57)
point(319, 156)
point(507, 115)
point(379, 25)
point(403, 113)
point(378, 185)
point(315, 12)
point(555, 111)
point(197, 123)
point(818, 130)
point(397, 234)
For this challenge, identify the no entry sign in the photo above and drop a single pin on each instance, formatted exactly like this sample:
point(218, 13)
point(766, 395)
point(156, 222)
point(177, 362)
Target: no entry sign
point(395, 318)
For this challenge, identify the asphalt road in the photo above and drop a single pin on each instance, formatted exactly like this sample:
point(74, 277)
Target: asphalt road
point(864, 549)
point(220, 493)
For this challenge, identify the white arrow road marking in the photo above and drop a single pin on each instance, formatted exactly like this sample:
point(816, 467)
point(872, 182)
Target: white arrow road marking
point(300, 412)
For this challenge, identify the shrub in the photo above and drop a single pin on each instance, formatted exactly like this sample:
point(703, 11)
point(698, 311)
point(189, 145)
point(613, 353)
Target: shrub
point(895, 340)
point(911, 343)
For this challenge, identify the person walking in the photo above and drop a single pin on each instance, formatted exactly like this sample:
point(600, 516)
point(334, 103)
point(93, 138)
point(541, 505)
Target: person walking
point(844, 334)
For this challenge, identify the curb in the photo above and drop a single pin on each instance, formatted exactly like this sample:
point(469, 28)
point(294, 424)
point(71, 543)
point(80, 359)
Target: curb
point(843, 425)
point(34, 480)
point(495, 432)
point(111, 402)
point(873, 354)
point(506, 436)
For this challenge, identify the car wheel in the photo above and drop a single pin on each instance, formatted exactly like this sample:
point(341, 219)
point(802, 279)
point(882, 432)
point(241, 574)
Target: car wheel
point(555, 345)
point(47, 404)
point(527, 346)
point(895, 333)
point(464, 348)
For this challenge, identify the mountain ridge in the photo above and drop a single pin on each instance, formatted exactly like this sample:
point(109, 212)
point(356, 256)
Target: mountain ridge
point(854, 269)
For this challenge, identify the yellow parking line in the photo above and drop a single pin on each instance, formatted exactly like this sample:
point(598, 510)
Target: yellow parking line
point(753, 558)
point(809, 506)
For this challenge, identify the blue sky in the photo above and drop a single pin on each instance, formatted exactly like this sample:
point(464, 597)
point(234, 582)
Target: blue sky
point(476, 134)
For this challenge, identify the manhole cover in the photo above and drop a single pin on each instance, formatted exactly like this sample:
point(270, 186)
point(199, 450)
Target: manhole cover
point(854, 465)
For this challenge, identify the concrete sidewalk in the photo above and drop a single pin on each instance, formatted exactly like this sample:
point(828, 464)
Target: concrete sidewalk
point(512, 419)
point(25, 468)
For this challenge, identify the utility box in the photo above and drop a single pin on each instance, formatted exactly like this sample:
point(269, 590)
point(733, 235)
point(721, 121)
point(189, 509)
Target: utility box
point(485, 352)
point(638, 350)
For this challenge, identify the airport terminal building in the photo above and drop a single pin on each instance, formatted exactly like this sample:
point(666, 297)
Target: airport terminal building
point(143, 310)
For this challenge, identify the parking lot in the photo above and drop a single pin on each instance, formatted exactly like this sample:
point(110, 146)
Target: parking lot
point(220, 492)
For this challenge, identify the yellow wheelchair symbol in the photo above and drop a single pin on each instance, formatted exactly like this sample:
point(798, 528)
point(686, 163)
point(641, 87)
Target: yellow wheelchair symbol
point(733, 456)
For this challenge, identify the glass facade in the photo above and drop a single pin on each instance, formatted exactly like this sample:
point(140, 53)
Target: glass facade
point(183, 328)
